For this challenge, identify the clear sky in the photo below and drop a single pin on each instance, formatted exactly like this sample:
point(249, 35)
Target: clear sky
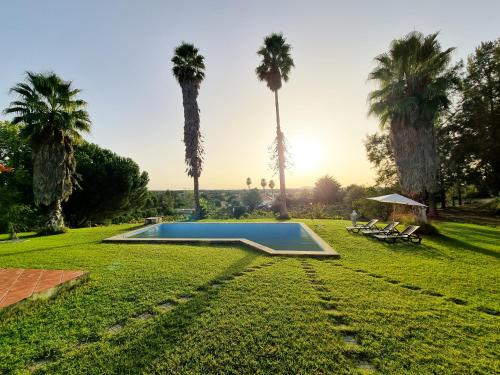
point(118, 53)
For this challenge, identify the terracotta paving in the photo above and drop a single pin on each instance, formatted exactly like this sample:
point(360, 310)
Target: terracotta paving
point(17, 284)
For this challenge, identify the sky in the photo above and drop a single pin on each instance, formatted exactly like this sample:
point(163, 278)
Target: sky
point(118, 53)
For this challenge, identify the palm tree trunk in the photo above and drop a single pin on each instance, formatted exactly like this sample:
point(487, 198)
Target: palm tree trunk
point(197, 206)
point(432, 205)
point(55, 224)
point(416, 159)
point(192, 138)
point(12, 232)
point(281, 160)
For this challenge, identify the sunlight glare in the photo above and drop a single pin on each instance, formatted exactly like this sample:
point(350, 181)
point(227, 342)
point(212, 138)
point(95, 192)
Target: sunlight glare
point(306, 154)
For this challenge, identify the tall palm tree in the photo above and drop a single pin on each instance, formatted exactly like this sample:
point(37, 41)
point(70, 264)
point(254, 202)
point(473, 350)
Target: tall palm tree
point(413, 79)
point(53, 118)
point(274, 69)
point(263, 183)
point(249, 182)
point(189, 70)
point(271, 186)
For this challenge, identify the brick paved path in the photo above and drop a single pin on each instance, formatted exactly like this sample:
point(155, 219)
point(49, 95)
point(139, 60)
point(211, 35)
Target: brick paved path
point(17, 284)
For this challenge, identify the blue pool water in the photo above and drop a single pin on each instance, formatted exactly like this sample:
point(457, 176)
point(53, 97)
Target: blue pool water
point(278, 236)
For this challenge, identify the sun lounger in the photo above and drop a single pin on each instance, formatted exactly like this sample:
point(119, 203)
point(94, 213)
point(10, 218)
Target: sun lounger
point(407, 235)
point(388, 229)
point(358, 227)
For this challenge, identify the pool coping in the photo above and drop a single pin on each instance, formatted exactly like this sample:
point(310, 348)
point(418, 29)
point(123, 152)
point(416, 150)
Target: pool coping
point(326, 252)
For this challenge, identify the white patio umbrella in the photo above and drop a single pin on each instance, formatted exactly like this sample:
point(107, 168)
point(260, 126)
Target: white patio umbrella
point(400, 199)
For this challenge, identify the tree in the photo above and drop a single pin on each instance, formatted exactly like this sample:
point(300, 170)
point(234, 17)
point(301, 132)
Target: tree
point(251, 199)
point(275, 68)
point(249, 182)
point(475, 127)
point(352, 193)
point(263, 183)
point(414, 79)
point(52, 119)
point(379, 153)
point(16, 181)
point(189, 70)
point(327, 190)
point(271, 186)
point(111, 186)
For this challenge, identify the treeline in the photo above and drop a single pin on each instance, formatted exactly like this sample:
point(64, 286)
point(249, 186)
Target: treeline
point(107, 185)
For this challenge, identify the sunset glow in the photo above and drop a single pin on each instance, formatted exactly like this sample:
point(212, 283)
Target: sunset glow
point(306, 154)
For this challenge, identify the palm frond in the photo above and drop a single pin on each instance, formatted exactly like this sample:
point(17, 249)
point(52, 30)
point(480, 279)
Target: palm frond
point(188, 64)
point(276, 62)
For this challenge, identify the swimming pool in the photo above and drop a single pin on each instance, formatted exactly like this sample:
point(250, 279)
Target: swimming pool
point(271, 238)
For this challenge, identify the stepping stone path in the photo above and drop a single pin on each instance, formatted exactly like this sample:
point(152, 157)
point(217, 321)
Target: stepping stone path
point(432, 293)
point(145, 316)
point(166, 306)
point(338, 319)
point(115, 328)
point(365, 365)
point(351, 340)
point(18, 284)
point(37, 365)
point(457, 301)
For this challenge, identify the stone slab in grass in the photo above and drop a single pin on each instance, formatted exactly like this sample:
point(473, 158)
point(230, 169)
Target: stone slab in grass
point(19, 285)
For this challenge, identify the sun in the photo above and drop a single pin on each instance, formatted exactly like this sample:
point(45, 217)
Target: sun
point(306, 154)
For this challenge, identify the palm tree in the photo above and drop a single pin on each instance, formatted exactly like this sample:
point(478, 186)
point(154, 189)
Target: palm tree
point(189, 70)
point(249, 182)
point(271, 186)
point(414, 79)
point(263, 183)
point(274, 69)
point(52, 117)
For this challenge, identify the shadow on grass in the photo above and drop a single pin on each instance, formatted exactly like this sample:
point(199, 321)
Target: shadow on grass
point(48, 248)
point(165, 333)
point(21, 237)
point(462, 245)
point(422, 249)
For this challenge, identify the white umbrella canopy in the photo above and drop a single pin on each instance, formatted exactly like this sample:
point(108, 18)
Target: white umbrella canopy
point(400, 199)
point(397, 199)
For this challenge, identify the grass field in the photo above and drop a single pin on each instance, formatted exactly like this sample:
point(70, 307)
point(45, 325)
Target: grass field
point(395, 309)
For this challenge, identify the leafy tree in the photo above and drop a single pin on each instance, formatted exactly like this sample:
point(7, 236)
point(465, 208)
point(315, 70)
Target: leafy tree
point(474, 128)
point(414, 79)
point(327, 190)
point(16, 154)
point(251, 199)
point(52, 118)
point(275, 68)
point(352, 193)
point(189, 70)
point(111, 185)
point(249, 182)
point(379, 152)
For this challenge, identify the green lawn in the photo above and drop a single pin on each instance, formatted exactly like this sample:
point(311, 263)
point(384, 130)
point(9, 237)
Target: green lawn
point(388, 308)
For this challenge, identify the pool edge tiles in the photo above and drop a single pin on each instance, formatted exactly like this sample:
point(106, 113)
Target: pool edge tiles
point(326, 250)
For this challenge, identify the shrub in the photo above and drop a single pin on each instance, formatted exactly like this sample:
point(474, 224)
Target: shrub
point(327, 190)
point(251, 199)
point(238, 211)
